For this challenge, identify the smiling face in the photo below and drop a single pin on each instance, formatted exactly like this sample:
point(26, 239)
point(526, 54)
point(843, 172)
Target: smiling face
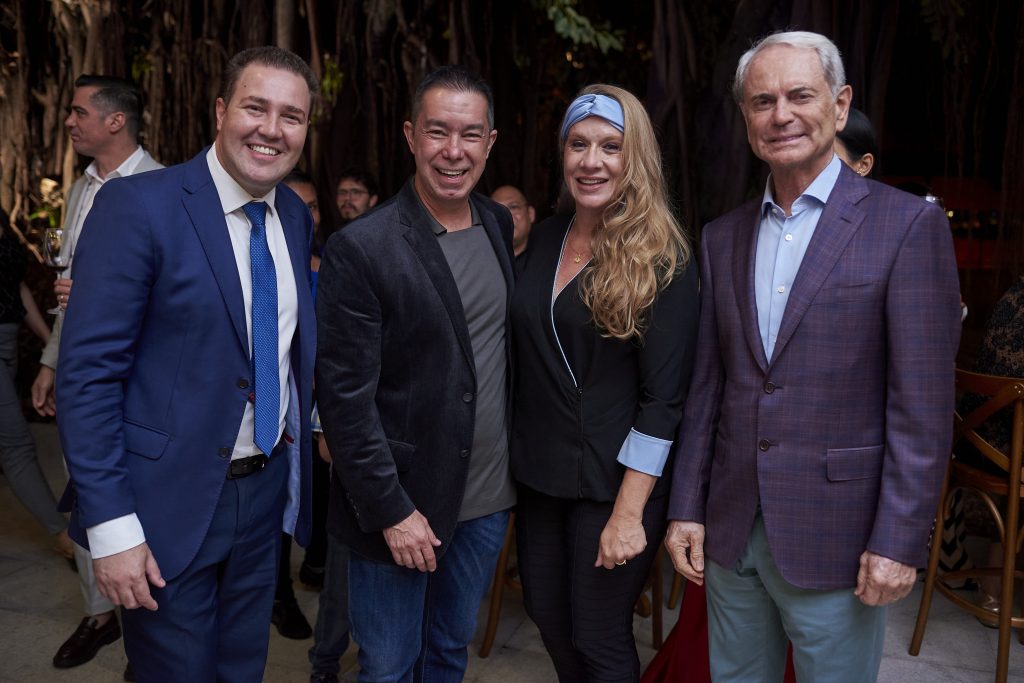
point(450, 141)
point(791, 115)
point(262, 128)
point(592, 165)
point(87, 123)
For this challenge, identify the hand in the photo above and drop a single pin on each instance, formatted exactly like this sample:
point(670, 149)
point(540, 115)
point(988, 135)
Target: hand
point(412, 543)
point(685, 544)
point(622, 539)
point(881, 581)
point(124, 578)
point(43, 399)
point(323, 451)
point(62, 288)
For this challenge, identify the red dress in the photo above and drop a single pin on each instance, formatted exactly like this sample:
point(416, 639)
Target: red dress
point(683, 658)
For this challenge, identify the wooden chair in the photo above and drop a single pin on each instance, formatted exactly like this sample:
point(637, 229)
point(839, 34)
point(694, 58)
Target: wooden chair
point(506, 575)
point(1003, 395)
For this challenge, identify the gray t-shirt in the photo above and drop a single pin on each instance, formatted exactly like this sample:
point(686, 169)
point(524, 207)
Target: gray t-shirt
point(478, 276)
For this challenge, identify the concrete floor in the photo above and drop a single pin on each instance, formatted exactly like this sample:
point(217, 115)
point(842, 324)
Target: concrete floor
point(40, 605)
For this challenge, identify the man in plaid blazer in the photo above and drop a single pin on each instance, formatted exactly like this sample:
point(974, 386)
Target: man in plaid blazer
point(818, 425)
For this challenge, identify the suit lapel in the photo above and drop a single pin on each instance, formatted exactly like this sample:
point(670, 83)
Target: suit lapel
point(838, 223)
point(744, 254)
point(207, 215)
point(296, 237)
point(424, 244)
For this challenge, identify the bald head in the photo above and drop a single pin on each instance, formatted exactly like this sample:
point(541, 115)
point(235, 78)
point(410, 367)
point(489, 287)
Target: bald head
point(523, 214)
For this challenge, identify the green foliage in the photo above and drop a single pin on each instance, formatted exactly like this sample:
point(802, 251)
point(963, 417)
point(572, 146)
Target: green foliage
point(330, 82)
point(571, 25)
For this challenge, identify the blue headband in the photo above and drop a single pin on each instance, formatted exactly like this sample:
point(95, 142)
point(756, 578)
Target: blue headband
point(608, 108)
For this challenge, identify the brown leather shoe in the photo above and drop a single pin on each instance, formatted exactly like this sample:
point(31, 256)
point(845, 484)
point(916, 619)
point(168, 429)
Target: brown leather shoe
point(86, 641)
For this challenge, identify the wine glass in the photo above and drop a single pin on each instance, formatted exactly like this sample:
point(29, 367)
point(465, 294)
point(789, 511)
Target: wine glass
point(56, 258)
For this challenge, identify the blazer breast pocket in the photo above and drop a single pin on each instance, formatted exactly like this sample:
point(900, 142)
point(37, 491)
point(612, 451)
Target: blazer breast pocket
point(401, 453)
point(849, 464)
point(145, 441)
point(845, 293)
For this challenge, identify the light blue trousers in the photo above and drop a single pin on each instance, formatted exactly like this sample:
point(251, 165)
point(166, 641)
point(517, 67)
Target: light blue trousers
point(753, 612)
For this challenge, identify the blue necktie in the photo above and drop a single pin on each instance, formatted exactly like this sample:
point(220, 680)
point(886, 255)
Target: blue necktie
point(264, 330)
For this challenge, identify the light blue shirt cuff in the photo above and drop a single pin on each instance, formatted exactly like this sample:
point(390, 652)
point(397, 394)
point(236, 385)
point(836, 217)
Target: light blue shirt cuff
point(644, 453)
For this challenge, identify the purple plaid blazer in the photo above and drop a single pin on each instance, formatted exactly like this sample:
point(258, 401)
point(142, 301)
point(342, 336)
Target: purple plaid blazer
point(843, 437)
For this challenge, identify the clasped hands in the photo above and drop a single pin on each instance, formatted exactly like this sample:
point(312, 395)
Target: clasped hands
point(880, 581)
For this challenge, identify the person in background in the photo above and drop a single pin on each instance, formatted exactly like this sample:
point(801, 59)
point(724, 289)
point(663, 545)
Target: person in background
point(523, 215)
point(856, 144)
point(604, 320)
point(104, 123)
point(356, 194)
point(286, 615)
point(17, 448)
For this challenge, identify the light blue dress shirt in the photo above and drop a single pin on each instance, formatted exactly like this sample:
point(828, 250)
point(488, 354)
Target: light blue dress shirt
point(781, 244)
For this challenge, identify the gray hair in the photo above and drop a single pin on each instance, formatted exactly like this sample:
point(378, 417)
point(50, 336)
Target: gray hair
point(828, 53)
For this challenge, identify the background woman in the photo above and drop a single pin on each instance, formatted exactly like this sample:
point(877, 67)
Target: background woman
point(17, 448)
point(604, 320)
point(856, 144)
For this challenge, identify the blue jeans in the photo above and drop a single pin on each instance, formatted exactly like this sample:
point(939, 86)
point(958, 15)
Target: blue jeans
point(330, 637)
point(416, 626)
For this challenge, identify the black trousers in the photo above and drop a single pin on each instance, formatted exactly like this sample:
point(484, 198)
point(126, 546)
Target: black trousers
point(316, 552)
point(584, 613)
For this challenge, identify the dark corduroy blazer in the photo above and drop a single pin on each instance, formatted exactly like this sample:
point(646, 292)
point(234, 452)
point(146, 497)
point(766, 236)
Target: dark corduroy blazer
point(395, 376)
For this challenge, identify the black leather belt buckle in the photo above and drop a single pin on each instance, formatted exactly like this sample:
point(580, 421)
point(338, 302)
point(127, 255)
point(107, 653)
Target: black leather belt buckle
point(243, 467)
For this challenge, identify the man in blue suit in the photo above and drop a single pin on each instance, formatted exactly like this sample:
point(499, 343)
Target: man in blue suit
point(185, 383)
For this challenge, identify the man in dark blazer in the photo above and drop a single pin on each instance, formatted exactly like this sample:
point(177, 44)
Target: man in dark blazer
point(411, 381)
point(817, 431)
point(185, 383)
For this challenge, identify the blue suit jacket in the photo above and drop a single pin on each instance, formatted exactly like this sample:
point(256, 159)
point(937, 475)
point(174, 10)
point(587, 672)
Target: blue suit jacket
point(842, 437)
point(154, 364)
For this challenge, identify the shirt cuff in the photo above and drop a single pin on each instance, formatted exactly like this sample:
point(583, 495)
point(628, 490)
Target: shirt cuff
point(115, 536)
point(644, 453)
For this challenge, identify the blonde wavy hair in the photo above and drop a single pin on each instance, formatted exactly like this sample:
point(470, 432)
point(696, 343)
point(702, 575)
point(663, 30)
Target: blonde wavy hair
point(639, 246)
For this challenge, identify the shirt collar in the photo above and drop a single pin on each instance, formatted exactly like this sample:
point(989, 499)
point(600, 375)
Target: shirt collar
point(127, 167)
point(435, 226)
point(232, 195)
point(820, 188)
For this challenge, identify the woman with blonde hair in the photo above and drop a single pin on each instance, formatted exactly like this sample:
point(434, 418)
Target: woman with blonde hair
point(603, 320)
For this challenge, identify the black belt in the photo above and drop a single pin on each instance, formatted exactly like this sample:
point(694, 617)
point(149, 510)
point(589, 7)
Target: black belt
point(243, 467)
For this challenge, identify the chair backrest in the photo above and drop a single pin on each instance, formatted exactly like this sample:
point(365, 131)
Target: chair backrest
point(997, 395)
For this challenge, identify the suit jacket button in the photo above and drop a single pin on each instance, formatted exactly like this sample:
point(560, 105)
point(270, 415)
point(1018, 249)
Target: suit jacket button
point(464, 453)
point(224, 452)
point(764, 444)
point(467, 397)
point(243, 383)
point(769, 387)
